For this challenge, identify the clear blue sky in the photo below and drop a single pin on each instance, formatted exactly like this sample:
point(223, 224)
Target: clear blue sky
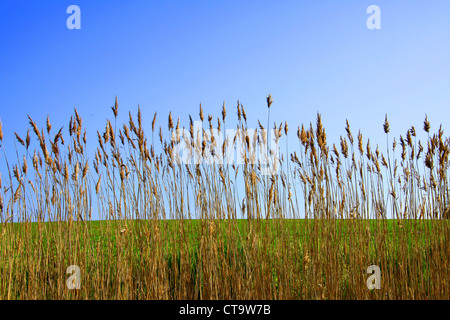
point(312, 56)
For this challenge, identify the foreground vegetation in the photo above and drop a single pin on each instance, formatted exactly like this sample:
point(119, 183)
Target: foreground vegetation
point(174, 230)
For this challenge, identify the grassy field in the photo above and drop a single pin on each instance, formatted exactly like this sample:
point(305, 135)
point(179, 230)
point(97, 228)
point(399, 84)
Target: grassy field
point(214, 230)
point(226, 259)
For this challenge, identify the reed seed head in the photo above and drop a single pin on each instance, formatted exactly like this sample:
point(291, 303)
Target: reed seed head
point(201, 113)
point(115, 109)
point(170, 124)
point(49, 126)
point(224, 112)
point(269, 100)
point(239, 114)
point(426, 125)
point(386, 125)
point(153, 122)
point(19, 139)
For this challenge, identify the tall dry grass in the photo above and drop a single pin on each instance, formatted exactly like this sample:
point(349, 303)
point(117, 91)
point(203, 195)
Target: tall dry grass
point(170, 230)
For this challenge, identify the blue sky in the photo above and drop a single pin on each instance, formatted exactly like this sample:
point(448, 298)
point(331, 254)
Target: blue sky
point(312, 56)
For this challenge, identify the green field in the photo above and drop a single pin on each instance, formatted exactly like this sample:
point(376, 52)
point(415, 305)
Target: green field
point(276, 259)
